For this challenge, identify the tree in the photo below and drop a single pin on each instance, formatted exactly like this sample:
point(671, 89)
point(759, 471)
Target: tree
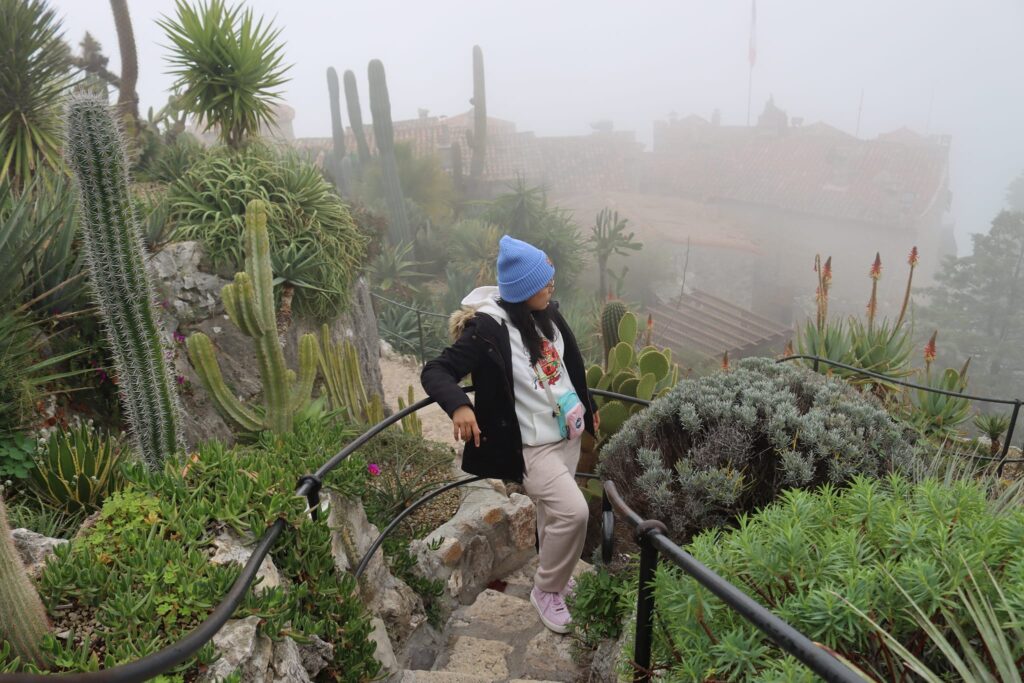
point(608, 237)
point(978, 306)
point(34, 73)
point(1015, 193)
point(228, 67)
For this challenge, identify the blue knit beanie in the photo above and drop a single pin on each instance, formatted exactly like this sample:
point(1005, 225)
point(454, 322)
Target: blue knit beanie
point(523, 270)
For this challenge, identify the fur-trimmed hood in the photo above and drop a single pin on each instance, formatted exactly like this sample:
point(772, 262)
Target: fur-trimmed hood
point(480, 300)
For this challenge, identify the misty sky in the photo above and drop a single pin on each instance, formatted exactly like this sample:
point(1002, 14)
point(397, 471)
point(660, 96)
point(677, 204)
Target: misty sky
point(936, 66)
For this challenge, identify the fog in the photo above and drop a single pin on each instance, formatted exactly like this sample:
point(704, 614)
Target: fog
point(934, 66)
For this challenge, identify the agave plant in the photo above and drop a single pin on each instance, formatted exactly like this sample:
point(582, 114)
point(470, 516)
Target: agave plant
point(393, 272)
point(940, 415)
point(228, 66)
point(78, 468)
point(34, 73)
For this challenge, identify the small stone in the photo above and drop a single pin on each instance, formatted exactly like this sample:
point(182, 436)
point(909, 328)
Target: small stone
point(316, 654)
point(549, 654)
point(286, 663)
point(384, 653)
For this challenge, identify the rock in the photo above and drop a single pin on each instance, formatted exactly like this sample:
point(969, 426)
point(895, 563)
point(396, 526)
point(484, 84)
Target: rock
point(34, 549)
point(605, 660)
point(491, 535)
point(240, 649)
point(441, 677)
point(550, 653)
point(384, 595)
point(316, 654)
point(479, 657)
point(420, 649)
point(229, 548)
point(190, 294)
point(384, 653)
point(498, 610)
point(286, 664)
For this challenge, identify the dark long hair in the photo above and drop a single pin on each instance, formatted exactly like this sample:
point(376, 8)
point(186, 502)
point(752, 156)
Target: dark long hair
point(527, 322)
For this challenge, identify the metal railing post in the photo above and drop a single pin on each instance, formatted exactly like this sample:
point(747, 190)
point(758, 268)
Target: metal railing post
point(645, 600)
point(419, 326)
point(1009, 436)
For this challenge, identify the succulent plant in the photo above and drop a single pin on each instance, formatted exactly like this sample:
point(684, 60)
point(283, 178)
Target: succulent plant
point(121, 285)
point(339, 364)
point(249, 302)
point(644, 374)
point(77, 469)
point(479, 137)
point(611, 314)
point(23, 621)
point(355, 116)
point(399, 230)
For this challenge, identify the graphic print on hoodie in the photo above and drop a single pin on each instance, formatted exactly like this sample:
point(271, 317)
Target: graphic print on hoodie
point(537, 424)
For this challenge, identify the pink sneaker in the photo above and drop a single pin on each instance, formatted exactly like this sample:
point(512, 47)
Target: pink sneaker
point(569, 589)
point(552, 610)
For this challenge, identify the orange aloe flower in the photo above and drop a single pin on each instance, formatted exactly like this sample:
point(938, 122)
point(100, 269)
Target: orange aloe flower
point(929, 349)
point(912, 259)
point(876, 267)
point(725, 361)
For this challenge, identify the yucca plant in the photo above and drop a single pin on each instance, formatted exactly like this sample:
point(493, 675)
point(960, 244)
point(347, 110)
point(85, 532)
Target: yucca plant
point(992, 426)
point(34, 73)
point(229, 66)
point(78, 468)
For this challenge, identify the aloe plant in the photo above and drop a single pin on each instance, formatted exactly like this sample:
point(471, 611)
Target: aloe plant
point(116, 260)
point(993, 426)
point(939, 414)
point(249, 302)
point(23, 621)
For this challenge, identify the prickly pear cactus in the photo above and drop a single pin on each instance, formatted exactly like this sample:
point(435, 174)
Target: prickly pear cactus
point(644, 374)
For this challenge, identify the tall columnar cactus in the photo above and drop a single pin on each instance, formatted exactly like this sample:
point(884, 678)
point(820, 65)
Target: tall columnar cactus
point(479, 138)
point(339, 365)
point(355, 116)
point(611, 315)
point(383, 132)
point(249, 302)
point(333, 163)
point(23, 621)
point(116, 259)
point(644, 374)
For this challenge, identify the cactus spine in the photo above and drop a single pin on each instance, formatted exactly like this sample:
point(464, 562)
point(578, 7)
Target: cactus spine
point(479, 138)
point(116, 259)
point(333, 163)
point(611, 315)
point(249, 302)
point(384, 134)
point(355, 116)
point(23, 621)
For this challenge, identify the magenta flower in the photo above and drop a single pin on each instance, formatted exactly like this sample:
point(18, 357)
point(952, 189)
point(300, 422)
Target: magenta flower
point(373, 469)
point(179, 337)
point(180, 379)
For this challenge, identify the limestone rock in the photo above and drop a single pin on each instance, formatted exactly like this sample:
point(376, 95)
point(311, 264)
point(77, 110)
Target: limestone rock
point(384, 652)
point(316, 654)
point(34, 549)
point(240, 649)
point(550, 653)
point(491, 535)
point(384, 595)
point(229, 548)
point(286, 664)
point(479, 657)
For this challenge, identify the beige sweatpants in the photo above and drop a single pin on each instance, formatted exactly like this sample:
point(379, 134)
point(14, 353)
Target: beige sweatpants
point(562, 510)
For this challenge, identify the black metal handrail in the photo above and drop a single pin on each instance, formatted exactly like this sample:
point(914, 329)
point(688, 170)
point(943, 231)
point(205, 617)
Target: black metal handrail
point(1015, 402)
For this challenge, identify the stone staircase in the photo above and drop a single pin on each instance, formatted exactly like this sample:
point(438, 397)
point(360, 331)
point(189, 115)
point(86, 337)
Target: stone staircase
point(499, 637)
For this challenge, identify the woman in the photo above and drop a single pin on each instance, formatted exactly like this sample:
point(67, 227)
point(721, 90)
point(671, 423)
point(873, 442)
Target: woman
point(530, 406)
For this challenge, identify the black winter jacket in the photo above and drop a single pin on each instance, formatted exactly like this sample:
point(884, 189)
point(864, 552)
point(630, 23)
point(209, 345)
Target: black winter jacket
point(483, 349)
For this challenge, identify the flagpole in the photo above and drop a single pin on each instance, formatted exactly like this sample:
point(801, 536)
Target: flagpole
point(750, 86)
point(751, 55)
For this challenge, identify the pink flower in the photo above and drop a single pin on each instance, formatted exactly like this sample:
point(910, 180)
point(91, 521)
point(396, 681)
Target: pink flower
point(180, 379)
point(373, 469)
point(179, 337)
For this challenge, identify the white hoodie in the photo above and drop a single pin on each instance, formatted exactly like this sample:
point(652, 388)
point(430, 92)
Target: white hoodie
point(533, 408)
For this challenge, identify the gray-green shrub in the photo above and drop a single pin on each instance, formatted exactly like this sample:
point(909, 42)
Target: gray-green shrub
point(725, 444)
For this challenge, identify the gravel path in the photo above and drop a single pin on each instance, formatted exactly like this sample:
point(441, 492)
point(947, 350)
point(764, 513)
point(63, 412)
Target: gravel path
point(398, 374)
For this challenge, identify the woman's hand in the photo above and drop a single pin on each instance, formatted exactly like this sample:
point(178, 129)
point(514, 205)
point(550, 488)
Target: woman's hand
point(464, 425)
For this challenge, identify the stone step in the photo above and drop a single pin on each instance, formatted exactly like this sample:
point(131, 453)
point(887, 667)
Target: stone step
point(410, 676)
